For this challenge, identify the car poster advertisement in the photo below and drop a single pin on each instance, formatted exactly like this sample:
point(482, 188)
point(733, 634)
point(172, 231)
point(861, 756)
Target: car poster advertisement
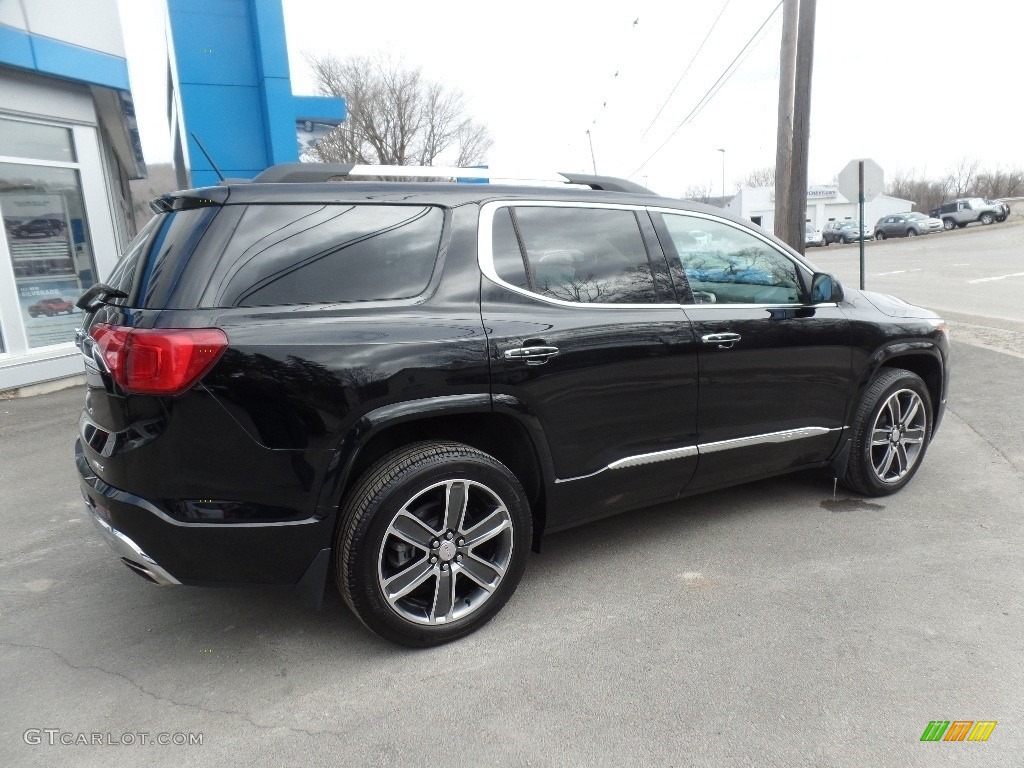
point(48, 307)
point(38, 236)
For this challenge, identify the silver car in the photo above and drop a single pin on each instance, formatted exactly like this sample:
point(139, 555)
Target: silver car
point(906, 225)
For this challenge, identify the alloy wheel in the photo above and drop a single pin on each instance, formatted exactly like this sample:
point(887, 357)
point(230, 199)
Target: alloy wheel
point(445, 552)
point(898, 434)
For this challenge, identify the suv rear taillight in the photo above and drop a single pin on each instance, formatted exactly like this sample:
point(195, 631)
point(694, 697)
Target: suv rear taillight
point(158, 361)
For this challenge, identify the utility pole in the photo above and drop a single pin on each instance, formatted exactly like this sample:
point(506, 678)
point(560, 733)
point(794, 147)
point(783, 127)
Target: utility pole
point(722, 150)
point(784, 134)
point(797, 213)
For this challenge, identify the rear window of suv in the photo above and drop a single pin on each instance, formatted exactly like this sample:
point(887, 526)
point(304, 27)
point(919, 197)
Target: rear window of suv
point(268, 255)
point(323, 254)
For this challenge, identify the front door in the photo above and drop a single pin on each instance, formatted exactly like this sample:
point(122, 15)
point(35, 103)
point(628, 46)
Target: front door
point(774, 370)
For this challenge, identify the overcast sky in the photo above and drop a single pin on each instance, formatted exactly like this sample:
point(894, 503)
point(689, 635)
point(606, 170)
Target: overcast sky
point(910, 83)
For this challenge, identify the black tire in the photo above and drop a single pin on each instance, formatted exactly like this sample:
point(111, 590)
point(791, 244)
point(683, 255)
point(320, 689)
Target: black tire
point(418, 477)
point(949, 224)
point(987, 218)
point(862, 472)
point(879, 235)
point(912, 232)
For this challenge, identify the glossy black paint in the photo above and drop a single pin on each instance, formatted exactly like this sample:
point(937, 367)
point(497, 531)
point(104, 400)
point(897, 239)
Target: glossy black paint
point(306, 394)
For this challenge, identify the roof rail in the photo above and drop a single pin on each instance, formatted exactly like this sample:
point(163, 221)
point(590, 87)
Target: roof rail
point(319, 172)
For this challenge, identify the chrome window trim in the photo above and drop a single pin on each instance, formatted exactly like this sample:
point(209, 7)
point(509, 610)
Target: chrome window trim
point(783, 436)
point(485, 254)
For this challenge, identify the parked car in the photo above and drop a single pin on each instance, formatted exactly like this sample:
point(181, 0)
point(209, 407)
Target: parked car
point(961, 212)
point(844, 231)
point(906, 225)
point(39, 228)
point(1001, 206)
point(399, 387)
point(812, 237)
point(51, 307)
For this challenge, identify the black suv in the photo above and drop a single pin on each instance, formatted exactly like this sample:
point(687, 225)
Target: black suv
point(399, 386)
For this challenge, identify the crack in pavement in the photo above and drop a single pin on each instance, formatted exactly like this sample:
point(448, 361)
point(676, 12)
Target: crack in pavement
point(184, 704)
point(1017, 469)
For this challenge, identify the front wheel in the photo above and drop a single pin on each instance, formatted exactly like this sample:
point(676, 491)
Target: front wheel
point(432, 543)
point(879, 235)
point(987, 218)
point(912, 233)
point(891, 432)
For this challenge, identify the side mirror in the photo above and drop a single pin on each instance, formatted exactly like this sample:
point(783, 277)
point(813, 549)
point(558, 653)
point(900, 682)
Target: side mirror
point(825, 289)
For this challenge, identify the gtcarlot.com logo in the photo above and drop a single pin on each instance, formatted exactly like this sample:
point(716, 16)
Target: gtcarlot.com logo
point(58, 737)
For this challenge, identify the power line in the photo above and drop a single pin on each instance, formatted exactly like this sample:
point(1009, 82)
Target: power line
point(708, 95)
point(674, 87)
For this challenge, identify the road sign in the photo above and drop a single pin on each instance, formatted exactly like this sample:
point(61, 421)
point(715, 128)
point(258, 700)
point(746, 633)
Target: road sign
point(873, 180)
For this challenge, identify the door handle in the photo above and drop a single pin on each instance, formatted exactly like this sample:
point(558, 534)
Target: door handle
point(721, 340)
point(532, 355)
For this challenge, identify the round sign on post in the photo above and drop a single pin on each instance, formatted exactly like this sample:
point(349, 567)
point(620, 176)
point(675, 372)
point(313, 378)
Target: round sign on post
point(874, 180)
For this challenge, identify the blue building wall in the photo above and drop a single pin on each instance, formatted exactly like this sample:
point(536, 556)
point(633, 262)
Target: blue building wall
point(234, 87)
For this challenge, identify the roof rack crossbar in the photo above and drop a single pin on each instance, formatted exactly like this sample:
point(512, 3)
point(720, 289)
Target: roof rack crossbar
point(321, 172)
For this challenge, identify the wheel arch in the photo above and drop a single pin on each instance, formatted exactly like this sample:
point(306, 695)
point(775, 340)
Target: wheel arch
point(921, 358)
point(507, 431)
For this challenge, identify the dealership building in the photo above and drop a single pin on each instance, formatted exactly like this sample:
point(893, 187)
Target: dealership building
point(824, 204)
point(68, 147)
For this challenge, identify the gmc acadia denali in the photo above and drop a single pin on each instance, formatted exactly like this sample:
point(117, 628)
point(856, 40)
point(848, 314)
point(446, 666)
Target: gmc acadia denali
point(399, 386)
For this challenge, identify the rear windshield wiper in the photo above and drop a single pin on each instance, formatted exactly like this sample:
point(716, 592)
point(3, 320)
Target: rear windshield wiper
point(97, 295)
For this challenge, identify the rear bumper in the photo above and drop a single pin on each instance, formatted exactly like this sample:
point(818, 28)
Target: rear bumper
point(129, 552)
point(167, 551)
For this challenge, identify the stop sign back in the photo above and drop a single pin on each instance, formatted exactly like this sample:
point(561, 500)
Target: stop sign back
point(874, 180)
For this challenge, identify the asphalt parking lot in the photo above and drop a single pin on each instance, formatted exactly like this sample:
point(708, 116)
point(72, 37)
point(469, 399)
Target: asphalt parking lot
point(766, 625)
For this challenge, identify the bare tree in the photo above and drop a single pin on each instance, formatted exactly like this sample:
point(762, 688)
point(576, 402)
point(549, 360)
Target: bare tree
point(760, 177)
point(396, 116)
point(962, 176)
point(699, 193)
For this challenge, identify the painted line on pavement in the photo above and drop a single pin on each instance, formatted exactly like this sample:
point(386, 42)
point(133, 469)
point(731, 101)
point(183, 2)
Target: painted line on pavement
point(897, 272)
point(990, 279)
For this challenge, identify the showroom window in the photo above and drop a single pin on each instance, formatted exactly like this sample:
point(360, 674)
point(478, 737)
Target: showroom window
point(49, 247)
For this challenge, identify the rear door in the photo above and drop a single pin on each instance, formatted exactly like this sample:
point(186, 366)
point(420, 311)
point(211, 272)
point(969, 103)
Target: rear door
point(586, 335)
point(774, 370)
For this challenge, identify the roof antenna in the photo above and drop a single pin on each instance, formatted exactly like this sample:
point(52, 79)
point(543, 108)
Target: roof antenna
point(210, 159)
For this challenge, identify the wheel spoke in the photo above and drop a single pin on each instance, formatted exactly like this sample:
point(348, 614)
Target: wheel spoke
point(893, 406)
point(913, 436)
point(487, 575)
point(880, 437)
point(444, 597)
point(488, 528)
point(405, 582)
point(412, 530)
point(915, 405)
point(883, 468)
point(902, 459)
point(455, 501)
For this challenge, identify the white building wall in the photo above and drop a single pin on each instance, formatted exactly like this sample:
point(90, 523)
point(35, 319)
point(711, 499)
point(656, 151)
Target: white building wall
point(759, 202)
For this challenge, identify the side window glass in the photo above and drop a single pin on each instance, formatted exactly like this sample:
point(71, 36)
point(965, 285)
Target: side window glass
point(508, 258)
point(587, 255)
point(730, 266)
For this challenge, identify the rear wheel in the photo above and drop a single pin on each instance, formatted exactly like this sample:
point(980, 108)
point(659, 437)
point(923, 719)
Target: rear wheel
point(891, 432)
point(432, 543)
point(948, 224)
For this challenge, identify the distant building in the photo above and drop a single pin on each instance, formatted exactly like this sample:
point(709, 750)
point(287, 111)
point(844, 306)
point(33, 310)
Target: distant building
point(68, 147)
point(824, 204)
